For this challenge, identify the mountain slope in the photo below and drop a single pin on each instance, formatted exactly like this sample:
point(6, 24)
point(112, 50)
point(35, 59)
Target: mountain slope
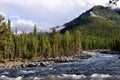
point(98, 11)
point(98, 21)
point(108, 13)
point(95, 26)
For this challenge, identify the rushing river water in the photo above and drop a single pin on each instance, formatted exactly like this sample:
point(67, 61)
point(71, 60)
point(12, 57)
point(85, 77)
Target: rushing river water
point(98, 67)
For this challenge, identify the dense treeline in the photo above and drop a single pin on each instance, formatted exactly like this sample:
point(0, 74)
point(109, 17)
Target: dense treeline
point(36, 45)
point(91, 43)
point(116, 47)
point(97, 33)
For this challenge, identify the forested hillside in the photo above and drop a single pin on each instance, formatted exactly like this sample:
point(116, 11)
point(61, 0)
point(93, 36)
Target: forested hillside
point(99, 27)
point(96, 26)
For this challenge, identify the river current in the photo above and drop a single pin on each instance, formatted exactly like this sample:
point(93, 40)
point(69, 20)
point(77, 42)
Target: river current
point(98, 67)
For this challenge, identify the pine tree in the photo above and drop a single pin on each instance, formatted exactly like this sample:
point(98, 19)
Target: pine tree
point(55, 41)
point(67, 40)
point(9, 42)
point(44, 45)
point(6, 47)
point(77, 41)
point(35, 31)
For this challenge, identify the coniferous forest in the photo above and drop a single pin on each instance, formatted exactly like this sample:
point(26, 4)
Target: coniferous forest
point(36, 44)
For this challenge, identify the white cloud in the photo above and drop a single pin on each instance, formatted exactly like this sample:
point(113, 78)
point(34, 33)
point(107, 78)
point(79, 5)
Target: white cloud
point(53, 3)
point(25, 22)
point(98, 2)
point(2, 9)
point(28, 26)
point(15, 17)
point(23, 25)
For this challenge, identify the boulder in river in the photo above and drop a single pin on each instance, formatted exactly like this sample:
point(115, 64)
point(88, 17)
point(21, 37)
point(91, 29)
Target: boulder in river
point(42, 64)
point(31, 65)
point(23, 66)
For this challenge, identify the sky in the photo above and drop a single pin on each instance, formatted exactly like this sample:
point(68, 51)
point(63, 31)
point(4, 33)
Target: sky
point(45, 14)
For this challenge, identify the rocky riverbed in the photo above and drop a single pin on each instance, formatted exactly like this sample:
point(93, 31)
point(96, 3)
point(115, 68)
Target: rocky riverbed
point(97, 66)
point(41, 63)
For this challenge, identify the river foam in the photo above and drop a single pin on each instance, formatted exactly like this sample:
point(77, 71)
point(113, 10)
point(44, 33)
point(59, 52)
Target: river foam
point(8, 78)
point(66, 77)
point(100, 76)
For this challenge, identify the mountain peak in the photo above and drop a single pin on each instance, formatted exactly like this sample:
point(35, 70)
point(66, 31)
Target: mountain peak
point(97, 11)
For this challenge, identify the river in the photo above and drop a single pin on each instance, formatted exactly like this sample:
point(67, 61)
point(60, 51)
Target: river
point(98, 67)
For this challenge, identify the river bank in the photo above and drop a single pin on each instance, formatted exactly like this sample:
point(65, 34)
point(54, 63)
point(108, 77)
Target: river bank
point(11, 65)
